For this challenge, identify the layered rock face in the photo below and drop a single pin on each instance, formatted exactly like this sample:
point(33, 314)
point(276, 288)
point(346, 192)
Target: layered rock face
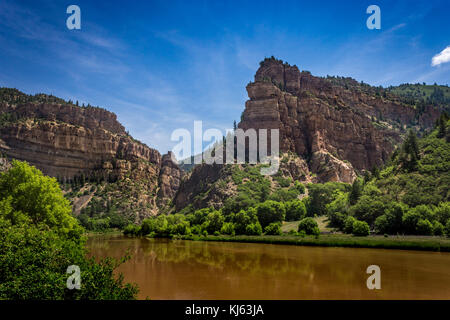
point(169, 178)
point(87, 144)
point(338, 129)
point(64, 141)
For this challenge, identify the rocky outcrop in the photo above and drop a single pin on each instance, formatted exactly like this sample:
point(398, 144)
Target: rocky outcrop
point(339, 129)
point(86, 144)
point(169, 178)
point(65, 150)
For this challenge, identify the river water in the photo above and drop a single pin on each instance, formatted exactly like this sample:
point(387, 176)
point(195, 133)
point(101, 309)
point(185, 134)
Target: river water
point(176, 269)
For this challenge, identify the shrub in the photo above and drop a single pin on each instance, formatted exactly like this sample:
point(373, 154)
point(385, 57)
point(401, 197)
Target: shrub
point(360, 228)
point(227, 228)
point(308, 226)
point(283, 195)
point(214, 222)
point(253, 229)
point(424, 227)
point(242, 219)
point(273, 229)
point(299, 186)
point(26, 195)
point(447, 228)
point(382, 224)
point(295, 210)
point(442, 212)
point(322, 194)
point(39, 239)
point(131, 229)
point(438, 228)
point(270, 211)
point(410, 220)
point(348, 224)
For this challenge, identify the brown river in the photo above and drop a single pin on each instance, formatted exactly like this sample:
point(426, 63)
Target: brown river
point(175, 269)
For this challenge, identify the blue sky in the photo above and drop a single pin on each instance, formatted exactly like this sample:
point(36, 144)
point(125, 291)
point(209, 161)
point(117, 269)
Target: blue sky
point(160, 65)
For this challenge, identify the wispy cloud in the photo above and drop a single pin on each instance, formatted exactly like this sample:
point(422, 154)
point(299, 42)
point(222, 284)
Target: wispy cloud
point(441, 57)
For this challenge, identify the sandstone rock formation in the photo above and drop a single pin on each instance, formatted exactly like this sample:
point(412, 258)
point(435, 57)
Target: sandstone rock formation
point(339, 128)
point(69, 142)
point(169, 178)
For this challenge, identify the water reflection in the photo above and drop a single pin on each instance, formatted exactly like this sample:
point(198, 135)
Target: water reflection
point(166, 269)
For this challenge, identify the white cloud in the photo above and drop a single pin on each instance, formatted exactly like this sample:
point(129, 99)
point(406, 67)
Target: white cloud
point(441, 57)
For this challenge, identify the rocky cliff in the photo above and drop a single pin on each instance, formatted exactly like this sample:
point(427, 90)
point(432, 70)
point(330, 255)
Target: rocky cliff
point(84, 144)
point(338, 124)
point(331, 129)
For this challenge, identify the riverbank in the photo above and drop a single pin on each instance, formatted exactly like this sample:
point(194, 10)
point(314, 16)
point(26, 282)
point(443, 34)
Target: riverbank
point(422, 243)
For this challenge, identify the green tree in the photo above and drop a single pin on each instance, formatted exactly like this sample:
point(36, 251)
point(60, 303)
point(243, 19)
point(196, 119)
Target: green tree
point(270, 211)
point(424, 227)
point(309, 226)
point(355, 192)
point(447, 228)
point(27, 195)
point(214, 222)
point(227, 228)
point(410, 155)
point(438, 228)
point(273, 229)
point(39, 239)
point(348, 224)
point(253, 229)
point(361, 228)
point(295, 210)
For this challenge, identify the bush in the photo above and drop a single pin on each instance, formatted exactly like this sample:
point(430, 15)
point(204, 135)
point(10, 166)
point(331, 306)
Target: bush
point(295, 210)
point(242, 219)
point(270, 211)
point(214, 222)
point(442, 212)
point(438, 228)
point(348, 224)
point(273, 229)
point(227, 228)
point(447, 228)
point(410, 220)
point(424, 227)
point(308, 226)
point(39, 239)
point(382, 224)
point(253, 229)
point(27, 196)
point(361, 228)
point(131, 229)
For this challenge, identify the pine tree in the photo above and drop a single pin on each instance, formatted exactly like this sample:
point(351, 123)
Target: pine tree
point(355, 192)
point(410, 156)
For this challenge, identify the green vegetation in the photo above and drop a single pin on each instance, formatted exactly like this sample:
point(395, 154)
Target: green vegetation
point(339, 240)
point(420, 94)
point(39, 239)
point(309, 226)
point(13, 96)
point(409, 196)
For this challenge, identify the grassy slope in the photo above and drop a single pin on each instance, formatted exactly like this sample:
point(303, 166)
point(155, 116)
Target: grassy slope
point(293, 225)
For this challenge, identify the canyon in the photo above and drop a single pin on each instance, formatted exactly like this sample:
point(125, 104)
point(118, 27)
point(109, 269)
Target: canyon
point(331, 129)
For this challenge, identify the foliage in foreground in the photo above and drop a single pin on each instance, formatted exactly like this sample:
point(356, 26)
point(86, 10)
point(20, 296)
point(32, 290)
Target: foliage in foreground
point(39, 239)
